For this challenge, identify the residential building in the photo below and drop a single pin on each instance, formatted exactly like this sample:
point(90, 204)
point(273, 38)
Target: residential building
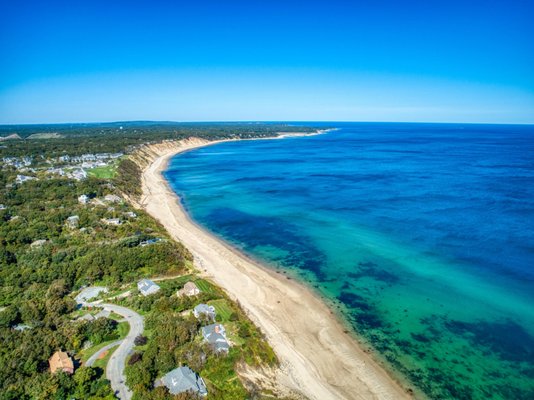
point(112, 221)
point(182, 380)
point(147, 287)
point(112, 198)
point(73, 221)
point(60, 361)
point(83, 199)
point(24, 178)
point(204, 309)
point(190, 289)
point(215, 335)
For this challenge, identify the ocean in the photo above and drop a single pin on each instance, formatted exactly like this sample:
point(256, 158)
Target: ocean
point(421, 237)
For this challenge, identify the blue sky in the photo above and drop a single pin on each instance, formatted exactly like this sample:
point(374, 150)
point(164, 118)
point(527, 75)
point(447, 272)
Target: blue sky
point(453, 61)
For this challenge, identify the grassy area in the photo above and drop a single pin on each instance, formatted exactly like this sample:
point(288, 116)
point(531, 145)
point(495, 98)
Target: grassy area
point(102, 362)
point(205, 286)
point(107, 172)
point(174, 282)
point(122, 329)
point(87, 353)
point(222, 308)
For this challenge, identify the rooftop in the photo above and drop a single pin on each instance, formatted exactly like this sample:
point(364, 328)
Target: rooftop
point(184, 379)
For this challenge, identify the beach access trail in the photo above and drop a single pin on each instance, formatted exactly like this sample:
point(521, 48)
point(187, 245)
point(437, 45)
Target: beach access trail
point(318, 359)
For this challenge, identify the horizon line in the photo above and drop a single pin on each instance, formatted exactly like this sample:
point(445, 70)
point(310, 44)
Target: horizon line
point(259, 122)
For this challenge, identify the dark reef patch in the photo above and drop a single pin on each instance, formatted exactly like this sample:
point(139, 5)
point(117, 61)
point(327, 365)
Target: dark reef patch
point(372, 270)
point(507, 339)
point(250, 231)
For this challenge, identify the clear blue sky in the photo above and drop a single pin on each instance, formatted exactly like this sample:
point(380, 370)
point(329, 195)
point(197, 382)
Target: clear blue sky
point(458, 61)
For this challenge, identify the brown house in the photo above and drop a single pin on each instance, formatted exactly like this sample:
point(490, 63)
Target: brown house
point(61, 361)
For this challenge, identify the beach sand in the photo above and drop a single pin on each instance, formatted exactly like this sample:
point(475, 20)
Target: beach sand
point(318, 359)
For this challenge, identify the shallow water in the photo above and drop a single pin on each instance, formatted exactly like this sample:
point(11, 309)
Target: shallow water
point(421, 233)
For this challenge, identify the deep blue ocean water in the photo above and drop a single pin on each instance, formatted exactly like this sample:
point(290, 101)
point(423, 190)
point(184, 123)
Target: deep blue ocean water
point(421, 235)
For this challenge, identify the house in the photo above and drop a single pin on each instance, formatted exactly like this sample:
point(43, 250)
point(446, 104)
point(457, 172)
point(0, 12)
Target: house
point(204, 309)
point(215, 335)
point(182, 380)
point(24, 178)
point(60, 361)
point(149, 242)
point(147, 287)
point(83, 199)
point(73, 221)
point(22, 327)
point(38, 243)
point(112, 198)
point(112, 221)
point(78, 174)
point(190, 289)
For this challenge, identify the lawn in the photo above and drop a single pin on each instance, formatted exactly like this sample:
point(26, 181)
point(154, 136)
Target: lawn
point(102, 362)
point(122, 330)
point(222, 309)
point(205, 286)
point(107, 172)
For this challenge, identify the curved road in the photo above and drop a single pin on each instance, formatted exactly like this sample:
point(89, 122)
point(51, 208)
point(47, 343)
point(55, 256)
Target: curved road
point(117, 362)
point(97, 355)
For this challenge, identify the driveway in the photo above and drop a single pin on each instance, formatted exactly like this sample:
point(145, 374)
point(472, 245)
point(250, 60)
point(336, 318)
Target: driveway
point(117, 362)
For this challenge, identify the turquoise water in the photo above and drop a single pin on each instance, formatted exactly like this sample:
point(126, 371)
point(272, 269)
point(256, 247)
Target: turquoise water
point(420, 234)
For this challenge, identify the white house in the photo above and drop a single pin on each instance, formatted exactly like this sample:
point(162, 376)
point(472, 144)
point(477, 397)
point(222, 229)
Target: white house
point(204, 309)
point(83, 199)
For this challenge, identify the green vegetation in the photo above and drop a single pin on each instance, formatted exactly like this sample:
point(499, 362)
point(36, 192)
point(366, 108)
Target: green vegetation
point(224, 311)
point(77, 139)
point(175, 340)
point(119, 332)
point(107, 172)
point(35, 281)
point(43, 262)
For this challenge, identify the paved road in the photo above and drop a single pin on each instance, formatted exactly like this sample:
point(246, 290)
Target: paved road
point(117, 362)
point(97, 355)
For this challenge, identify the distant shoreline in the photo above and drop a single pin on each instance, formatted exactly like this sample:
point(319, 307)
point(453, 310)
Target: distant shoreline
point(318, 358)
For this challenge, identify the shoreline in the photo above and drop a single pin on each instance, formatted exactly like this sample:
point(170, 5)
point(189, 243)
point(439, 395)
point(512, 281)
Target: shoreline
point(318, 358)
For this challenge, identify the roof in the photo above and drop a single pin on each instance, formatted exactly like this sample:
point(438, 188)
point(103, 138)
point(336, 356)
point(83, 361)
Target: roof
point(189, 289)
point(146, 287)
point(112, 198)
point(215, 335)
point(184, 379)
point(204, 309)
point(61, 361)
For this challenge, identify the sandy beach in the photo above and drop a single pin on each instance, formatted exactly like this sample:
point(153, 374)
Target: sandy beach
point(319, 360)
